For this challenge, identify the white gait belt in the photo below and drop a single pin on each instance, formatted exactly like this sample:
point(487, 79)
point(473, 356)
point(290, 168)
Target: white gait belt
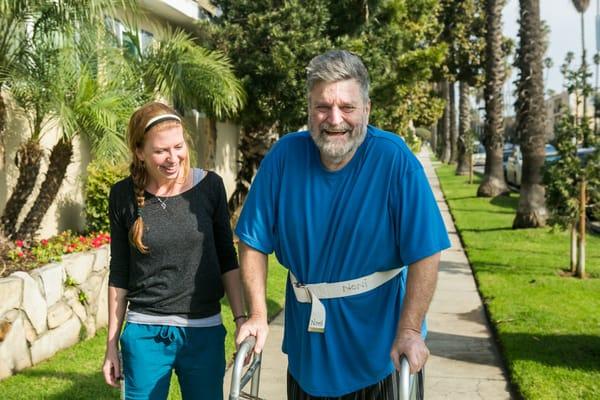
point(314, 292)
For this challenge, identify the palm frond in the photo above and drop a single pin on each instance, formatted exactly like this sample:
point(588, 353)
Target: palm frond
point(581, 5)
point(185, 73)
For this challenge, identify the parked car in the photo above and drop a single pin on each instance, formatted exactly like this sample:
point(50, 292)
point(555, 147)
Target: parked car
point(514, 163)
point(506, 152)
point(479, 154)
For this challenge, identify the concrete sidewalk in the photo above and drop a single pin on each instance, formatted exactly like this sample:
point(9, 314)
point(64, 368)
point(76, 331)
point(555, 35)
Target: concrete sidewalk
point(464, 362)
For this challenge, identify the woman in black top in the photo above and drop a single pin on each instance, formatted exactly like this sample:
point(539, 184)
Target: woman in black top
point(172, 260)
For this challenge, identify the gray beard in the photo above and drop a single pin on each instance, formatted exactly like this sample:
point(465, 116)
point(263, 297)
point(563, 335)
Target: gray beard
point(333, 151)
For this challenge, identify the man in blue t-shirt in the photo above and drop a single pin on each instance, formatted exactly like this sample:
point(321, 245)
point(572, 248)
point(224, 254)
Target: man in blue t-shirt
point(345, 207)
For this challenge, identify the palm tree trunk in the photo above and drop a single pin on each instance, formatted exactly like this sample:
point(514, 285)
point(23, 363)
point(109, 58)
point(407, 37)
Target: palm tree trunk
point(493, 182)
point(445, 131)
point(531, 211)
point(211, 145)
point(60, 158)
point(464, 122)
point(434, 136)
point(584, 69)
point(28, 160)
point(3, 114)
point(434, 127)
point(439, 150)
point(453, 127)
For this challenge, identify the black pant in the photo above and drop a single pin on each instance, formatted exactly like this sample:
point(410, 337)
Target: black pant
point(386, 389)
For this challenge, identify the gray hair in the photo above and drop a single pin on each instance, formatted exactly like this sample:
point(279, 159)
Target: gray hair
point(337, 65)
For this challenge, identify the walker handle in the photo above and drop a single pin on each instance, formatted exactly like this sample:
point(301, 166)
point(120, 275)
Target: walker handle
point(238, 381)
point(406, 379)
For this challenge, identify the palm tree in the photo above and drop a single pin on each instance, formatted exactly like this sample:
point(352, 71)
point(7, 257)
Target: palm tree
point(453, 127)
point(31, 34)
point(493, 183)
point(40, 16)
point(581, 6)
point(464, 122)
point(83, 105)
point(12, 18)
point(28, 86)
point(446, 149)
point(548, 64)
point(531, 211)
point(596, 94)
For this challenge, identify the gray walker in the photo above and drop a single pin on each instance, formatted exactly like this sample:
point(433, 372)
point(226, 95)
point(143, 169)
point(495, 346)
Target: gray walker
point(239, 378)
point(411, 385)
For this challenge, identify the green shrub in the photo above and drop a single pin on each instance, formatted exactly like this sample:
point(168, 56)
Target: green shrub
point(413, 141)
point(101, 176)
point(423, 133)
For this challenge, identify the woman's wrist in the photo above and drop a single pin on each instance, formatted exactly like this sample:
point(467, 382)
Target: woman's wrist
point(240, 317)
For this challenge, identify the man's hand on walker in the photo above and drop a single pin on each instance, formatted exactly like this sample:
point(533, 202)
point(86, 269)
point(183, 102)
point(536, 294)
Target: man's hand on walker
point(409, 343)
point(256, 326)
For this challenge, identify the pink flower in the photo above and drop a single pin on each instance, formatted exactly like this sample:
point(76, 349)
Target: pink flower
point(21, 254)
point(44, 242)
point(19, 243)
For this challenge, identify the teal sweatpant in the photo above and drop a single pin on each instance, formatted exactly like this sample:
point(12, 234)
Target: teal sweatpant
point(151, 352)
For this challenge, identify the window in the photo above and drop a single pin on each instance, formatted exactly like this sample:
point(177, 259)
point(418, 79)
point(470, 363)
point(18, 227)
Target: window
point(115, 27)
point(146, 40)
point(127, 39)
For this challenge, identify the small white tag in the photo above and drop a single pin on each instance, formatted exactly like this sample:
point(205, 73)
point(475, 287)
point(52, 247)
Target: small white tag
point(317, 315)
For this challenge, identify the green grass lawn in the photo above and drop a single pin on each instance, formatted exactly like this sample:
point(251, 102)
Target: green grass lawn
point(75, 373)
point(548, 324)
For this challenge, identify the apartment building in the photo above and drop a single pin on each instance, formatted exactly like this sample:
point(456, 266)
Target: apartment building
point(559, 103)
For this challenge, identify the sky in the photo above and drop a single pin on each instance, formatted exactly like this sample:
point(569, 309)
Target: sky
point(565, 34)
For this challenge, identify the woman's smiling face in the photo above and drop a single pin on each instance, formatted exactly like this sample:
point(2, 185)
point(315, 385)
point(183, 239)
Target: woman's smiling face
point(164, 152)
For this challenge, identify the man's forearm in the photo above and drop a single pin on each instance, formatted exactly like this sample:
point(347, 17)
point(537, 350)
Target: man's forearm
point(253, 268)
point(231, 281)
point(420, 286)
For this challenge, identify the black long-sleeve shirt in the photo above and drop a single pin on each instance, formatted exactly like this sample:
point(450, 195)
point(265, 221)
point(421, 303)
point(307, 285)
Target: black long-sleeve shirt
point(190, 247)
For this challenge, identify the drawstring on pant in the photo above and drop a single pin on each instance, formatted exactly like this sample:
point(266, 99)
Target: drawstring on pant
point(167, 334)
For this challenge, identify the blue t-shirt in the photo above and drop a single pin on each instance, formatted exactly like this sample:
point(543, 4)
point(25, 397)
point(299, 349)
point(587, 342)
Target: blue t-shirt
point(376, 213)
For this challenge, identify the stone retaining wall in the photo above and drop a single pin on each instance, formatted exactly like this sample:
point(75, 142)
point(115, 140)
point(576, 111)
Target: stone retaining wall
point(51, 308)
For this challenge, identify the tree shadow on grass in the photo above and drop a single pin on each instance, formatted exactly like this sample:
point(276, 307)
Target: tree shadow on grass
point(577, 352)
point(461, 198)
point(80, 386)
point(498, 229)
point(482, 212)
point(506, 201)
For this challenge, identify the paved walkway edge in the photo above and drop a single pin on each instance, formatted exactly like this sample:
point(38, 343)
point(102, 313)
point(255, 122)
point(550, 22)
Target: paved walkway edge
point(464, 362)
